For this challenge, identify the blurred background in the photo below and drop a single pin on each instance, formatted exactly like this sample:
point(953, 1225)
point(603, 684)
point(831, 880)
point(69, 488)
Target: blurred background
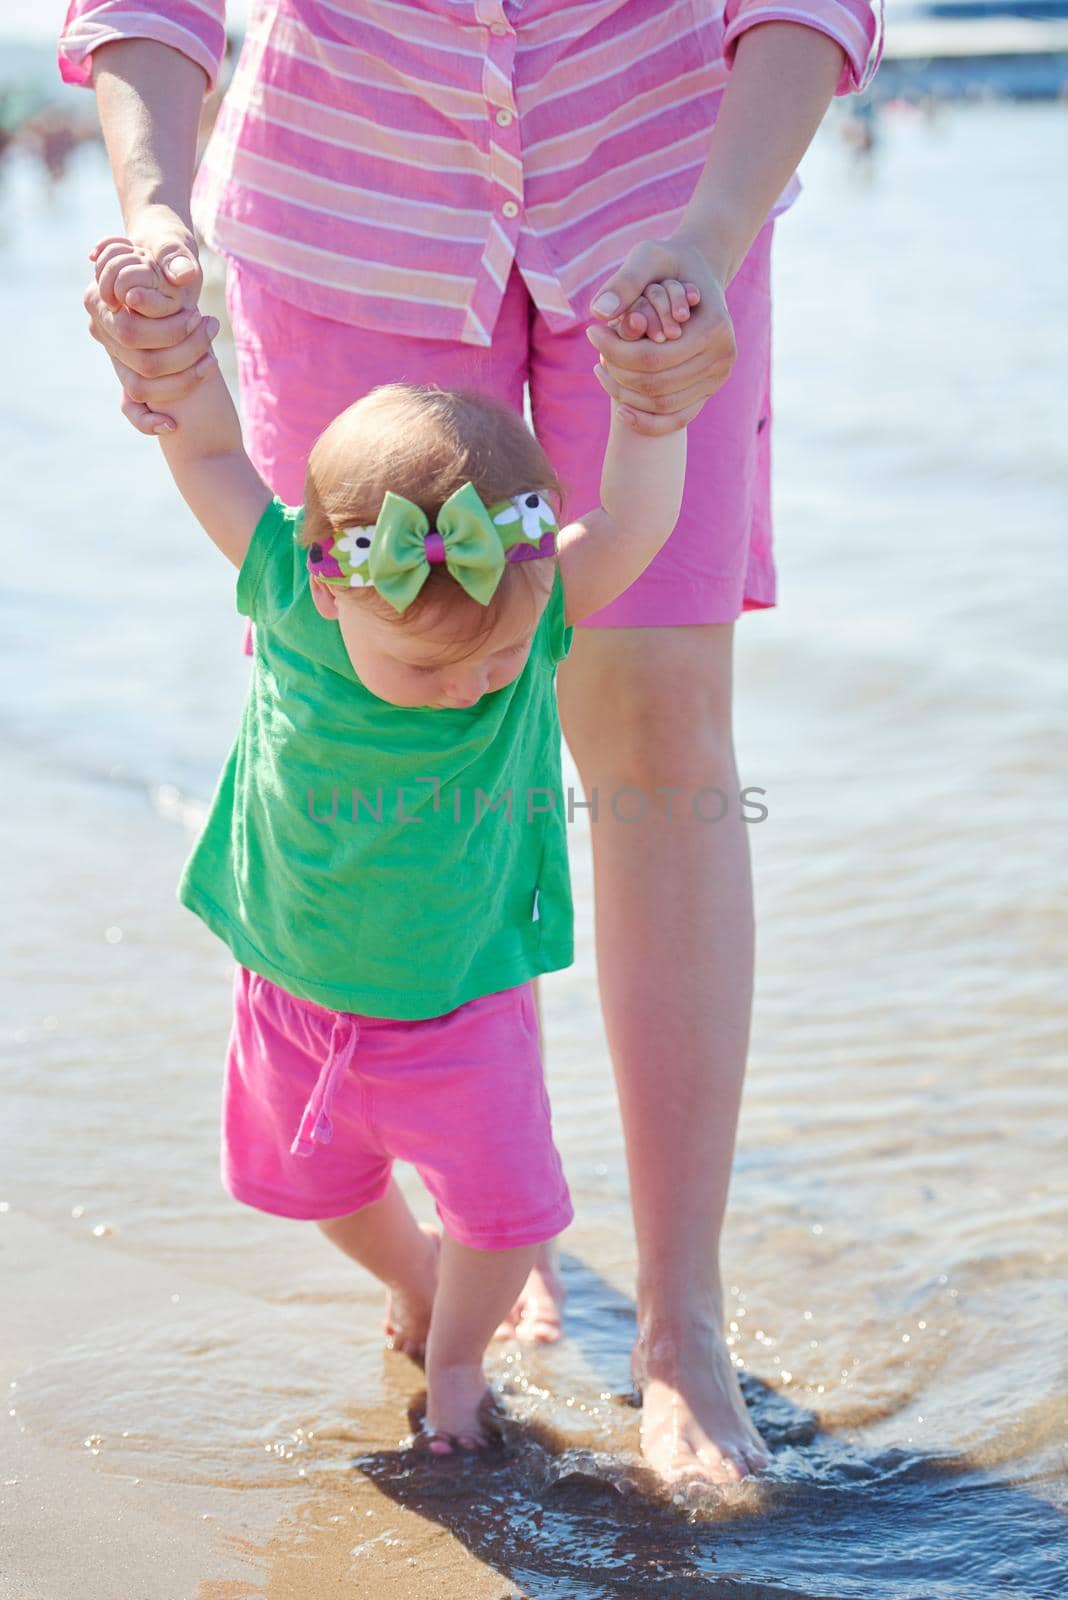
point(198, 1394)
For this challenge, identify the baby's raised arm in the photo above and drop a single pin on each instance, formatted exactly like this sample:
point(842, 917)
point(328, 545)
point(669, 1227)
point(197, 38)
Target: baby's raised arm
point(205, 451)
point(642, 480)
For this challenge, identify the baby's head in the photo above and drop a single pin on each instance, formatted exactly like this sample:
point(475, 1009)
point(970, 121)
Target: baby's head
point(446, 648)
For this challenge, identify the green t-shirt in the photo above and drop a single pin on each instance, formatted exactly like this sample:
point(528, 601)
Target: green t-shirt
point(335, 865)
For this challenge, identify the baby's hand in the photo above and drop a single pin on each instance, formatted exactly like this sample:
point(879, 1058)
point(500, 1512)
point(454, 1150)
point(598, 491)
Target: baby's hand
point(127, 275)
point(659, 310)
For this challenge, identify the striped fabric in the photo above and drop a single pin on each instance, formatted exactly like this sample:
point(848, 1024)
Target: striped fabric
point(383, 162)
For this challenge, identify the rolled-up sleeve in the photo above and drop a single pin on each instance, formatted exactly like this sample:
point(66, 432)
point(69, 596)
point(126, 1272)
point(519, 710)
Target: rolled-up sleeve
point(857, 25)
point(195, 27)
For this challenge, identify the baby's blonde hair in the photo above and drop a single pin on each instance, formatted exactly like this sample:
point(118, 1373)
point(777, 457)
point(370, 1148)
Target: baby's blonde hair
point(423, 442)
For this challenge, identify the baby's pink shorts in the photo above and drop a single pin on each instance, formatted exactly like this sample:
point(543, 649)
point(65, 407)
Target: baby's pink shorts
point(299, 371)
point(318, 1104)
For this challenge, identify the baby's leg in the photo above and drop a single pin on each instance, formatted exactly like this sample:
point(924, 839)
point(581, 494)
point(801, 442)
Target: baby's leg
point(476, 1289)
point(385, 1238)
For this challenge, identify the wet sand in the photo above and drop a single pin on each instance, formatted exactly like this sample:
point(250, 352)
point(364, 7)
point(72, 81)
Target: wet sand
point(202, 1408)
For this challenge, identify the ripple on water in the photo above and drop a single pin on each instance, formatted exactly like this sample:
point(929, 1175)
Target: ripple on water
point(240, 1399)
point(234, 1397)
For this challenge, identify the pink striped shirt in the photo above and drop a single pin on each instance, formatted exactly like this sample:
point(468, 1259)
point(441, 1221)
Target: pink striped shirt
point(383, 163)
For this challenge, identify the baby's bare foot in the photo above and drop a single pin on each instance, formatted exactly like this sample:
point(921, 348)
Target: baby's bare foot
point(407, 1320)
point(695, 1424)
point(460, 1411)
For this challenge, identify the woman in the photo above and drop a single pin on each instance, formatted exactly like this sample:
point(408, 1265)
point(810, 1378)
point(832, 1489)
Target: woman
point(442, 191)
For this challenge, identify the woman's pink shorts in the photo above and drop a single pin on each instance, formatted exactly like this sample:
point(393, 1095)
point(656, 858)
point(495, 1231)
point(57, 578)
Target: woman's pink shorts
point(318, 1104)
point(298, 371)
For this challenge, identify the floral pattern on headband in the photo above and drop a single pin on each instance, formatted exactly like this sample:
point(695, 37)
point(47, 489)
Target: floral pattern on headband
point(355, 546)
point(531, 511)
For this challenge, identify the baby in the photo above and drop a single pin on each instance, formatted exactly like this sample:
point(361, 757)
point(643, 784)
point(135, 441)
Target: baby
point(385, 854)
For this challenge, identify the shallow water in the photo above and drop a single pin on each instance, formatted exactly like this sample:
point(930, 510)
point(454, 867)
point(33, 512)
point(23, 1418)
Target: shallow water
point(896, 1248)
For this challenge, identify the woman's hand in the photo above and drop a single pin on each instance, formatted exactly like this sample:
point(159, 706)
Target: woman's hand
point(666, 383)
point(142, 309)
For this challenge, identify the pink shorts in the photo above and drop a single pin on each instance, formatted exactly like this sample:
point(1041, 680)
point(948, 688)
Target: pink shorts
point(298, 371)
point(318, 1104)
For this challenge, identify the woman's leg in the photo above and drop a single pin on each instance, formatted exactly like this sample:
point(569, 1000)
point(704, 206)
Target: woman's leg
point(674, 931)
point(672, 886)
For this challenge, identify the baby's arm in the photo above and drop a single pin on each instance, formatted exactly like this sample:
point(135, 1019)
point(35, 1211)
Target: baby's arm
point(207, 458)
point(205, 452)
point(642, 479)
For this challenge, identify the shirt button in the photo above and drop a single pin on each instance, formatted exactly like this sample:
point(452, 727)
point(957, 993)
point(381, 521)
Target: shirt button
point(503, 118)
point(510, 208)
point(499, 28)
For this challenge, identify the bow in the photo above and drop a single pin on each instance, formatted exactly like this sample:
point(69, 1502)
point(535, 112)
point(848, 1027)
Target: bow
point(395, 554)
point(397, 561)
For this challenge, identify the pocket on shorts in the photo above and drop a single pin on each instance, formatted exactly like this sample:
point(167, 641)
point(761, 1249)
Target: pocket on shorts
point(516, 1004)
point(528, 1012)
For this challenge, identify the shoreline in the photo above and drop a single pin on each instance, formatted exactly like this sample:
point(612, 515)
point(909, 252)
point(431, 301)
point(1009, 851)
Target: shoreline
point(145, 1538)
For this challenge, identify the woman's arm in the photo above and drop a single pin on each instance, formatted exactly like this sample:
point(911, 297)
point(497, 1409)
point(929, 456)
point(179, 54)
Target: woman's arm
point(783, 79)
point(149, 98)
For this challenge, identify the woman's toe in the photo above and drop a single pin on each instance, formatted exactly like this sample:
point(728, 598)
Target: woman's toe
point(717, 1466)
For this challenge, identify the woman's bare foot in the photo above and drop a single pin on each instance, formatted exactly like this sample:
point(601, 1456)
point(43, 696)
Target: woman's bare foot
point(695, 1424)
point(407, 1318)
point(460, 1411)
point(537, 1315)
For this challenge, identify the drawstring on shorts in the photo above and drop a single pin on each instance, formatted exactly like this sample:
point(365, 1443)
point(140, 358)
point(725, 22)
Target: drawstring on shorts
point(315, 1125)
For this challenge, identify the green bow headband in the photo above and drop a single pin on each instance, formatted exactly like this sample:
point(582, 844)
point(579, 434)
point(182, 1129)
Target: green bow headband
point(395, 554)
